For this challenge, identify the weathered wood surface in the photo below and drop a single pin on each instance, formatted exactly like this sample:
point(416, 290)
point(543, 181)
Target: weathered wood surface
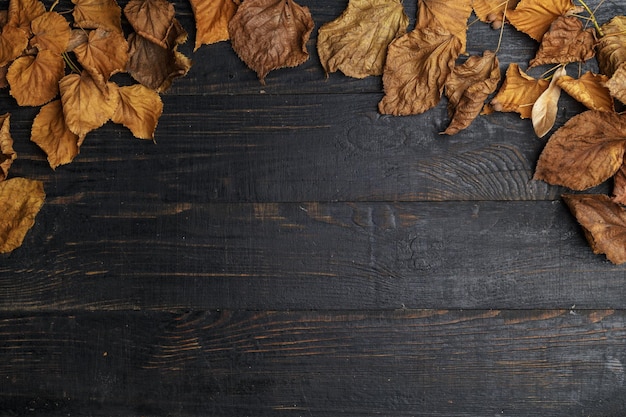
point(286, 250)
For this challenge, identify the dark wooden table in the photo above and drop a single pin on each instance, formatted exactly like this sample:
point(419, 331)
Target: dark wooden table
point(286, 250)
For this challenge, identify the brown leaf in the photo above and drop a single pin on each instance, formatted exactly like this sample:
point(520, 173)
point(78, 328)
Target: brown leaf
point(270, 34)
point(52, 135)
point(212, 17)
point(450, 15)
point(23, 12)
point(468, 87)
point(104, 54)
point(94, 14)
point(20, 201)
point(418, 65)
point(154, 66)
point(585, 152)
point(490, 11)
point(619, 184)
point(612, 46)
point(151, 18)
point(518, 92)
point(565, 42)
point(50, 31)
point(86, 104)
point(617, 83)
point(544, 110)
point(603, 222)
point(7, 154)
point(77, 37)
point(589, 90)
point(139, 110)
point(13, 41)
point(356, 42)
point(43, 70)
point(534, 17)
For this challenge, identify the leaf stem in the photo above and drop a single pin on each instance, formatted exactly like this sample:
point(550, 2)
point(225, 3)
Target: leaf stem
point(70, 63)
point(506, 6)
point(56, 2)
point(593, 17)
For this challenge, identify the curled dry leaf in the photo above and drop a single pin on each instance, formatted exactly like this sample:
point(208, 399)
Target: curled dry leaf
point(7, 154)
point(23, 12)
point(417, 68)
point(589, 90)
point(43, 70)
point(139, 110)
point(450, 15)
point(546, 106)
point(87, 105)
point(356, 42)
point(491, 11)
point(94, 14)
point(617, 83)
point(619, 184)
point(20, 201)
point(468, 87)
point(534, 17)
point(151, 19)
point(212, 17)
point(13, 41)
point(611, 49)
point(603, 222)
point(103, 54)
point(585, 152)
point(51, 32)
point(565, 42)
point(52, 135)
point(270, 34)
point(518, 92)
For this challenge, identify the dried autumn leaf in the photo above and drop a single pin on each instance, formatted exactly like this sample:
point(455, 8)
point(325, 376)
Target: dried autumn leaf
point(7, 154)
point(490, 11)
point(565, 42)
point(270, 34)
point(617, 83)
point(13, 41)
point(603, 222)
point(20, 201)
point(544, 110)
point(212, 17)
point(356, 42)
point(418, 65)
point(23, 12)
point(154, 66)
point(77, 37)
point(589, 90)
point(450, 15)
point(52, 135)
point(534, 17)
point(611, 49)
point(104, 54)
point(619, 185)
point(468, 87)
point(518, 92)
point(139, 110)
point(87, 105)
point(43, 70)
point(151, 18)
point(94, 14)
point(51, 31)
point(586, 151)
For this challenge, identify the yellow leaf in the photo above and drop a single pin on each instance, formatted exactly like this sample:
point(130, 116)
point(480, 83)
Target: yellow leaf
point(490, 11)
point(50, 31)
point(418, 65)
point(518, 92)
point(20, 201)
point(94, 14)
point(7, 154)
point(450, 16)
point(589, 90)
point(212, 17)
point(544, 110)
point(356, 42)
point(534, 17)
point(43, 70)
point(139, 110)
point(104, 54)
point(51, 134)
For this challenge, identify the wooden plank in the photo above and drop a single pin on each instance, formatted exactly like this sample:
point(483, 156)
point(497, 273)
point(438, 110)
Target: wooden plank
point(408, 362)
point(115, 252)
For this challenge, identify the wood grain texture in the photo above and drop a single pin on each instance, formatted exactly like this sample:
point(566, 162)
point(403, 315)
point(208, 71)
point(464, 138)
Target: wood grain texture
point(408, 362)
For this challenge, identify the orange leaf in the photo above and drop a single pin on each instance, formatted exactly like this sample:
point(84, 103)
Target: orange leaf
point(544, 110)
point(13, 41)
point(518, 92)
point(468, 87)
point(20, 201)
point(490, 11)
point(586, 151)
point(603, 222)
point(534, 17)
point(94, 14)
point(612, 46)
point(151, 19)
point(418, 65)
point(87, 105)
point(212, 17)
point(104, 54)
point(43, 70)
point(23, 12)
point(450, 16)
point(139, 110)
point(50, 31)
point(52, 135)
point(7, 154)
point(356, 42)
point(270, 34)
point(589, 90)
point(565, 42)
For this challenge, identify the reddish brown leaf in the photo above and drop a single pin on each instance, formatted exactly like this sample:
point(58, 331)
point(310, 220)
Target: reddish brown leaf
point(212, 17)
point(617, 83)
point(565, 42)
point(7, 154)
point(43, 70)
point(518, 92)
point(50, 31)
point(450, 16)
point(23, 12)
point(104, 54)
point(612, 46)
point(20, 201)
point(418, 65)
point(590, 90)
point(13, 41)
point(619, 184)
point(151, 19)
point(139, 110)
point(270, 34)
point(603, 222)
point(52, 135)
point(94, 14)
point(586, 151)
point(534, 17)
